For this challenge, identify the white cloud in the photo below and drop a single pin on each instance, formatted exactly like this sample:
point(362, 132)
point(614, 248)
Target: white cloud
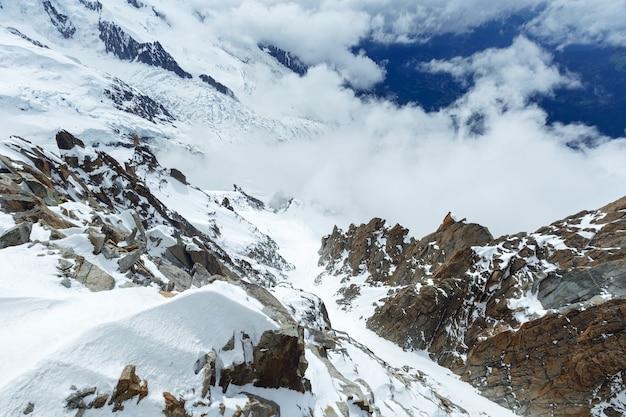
point(503, 80)
point(412, 167)
point(489, 157)
point(565, 22)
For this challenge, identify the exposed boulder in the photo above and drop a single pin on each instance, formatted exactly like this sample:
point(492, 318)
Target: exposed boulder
point(30, 407)
point(100, 401)
point(76, 399)
point(180, 279)
point(92, 276)
point(97, 240)
point(207, 364)
point(17, 235)
point(127, 261)
point(217, 85)
point(66, 141)
point(178, 175)
point(128, 386)
point(200, 276)
point(174, 407)
point(258, 407)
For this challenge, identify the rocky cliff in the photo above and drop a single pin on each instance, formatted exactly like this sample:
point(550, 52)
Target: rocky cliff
point(534, 320)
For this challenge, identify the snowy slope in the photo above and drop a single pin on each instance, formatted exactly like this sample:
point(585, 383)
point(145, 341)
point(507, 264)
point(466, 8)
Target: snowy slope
point(38, 91)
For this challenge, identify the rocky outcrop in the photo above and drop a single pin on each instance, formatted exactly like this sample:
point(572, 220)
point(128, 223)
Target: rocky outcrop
point(278, 360)
point(560, 362)
point(92, 277)
point(93, 5)
point(62, 22)
point(17, 235)
point(287, 59)
point(387, 255)
point(258, 407)
point(83, 174)
point(128, 386)
point(123, 46)
point(534, 321)
point(217, 85)
point(16, 32)
point(133, 101)
point(174, 407)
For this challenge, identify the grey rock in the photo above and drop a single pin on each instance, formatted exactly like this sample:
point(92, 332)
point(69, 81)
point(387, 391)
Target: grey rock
point(129, 260)
point(29, 408)
point(39, 189)
point(64, 266)
point(110, 251)
point(578, 285)
point(66, 282)
point(99, 401)
point(17, 235)
point(67, 253)
point(181, 279)
point(178, 175)
point(200, 276)
point(75, 401)
point(97, 239)
point(209, 374)
point(260, 407)
point(92, 276)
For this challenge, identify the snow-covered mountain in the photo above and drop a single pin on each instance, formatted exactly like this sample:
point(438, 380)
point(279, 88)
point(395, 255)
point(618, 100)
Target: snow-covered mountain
point(130, 286)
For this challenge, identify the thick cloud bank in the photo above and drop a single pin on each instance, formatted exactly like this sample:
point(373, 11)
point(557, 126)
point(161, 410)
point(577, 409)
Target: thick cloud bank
point(490, 156)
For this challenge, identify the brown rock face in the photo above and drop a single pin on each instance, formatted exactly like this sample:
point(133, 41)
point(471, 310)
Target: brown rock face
point(128, 386)
point(174, 407)
point(558, 362)
point(387, 255)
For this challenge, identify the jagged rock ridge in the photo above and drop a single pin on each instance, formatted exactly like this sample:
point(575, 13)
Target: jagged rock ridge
point(287, 59)
point(515, 316)
point(133, 101)
point(123, 46)
point(61, 21)
point(217, 85)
